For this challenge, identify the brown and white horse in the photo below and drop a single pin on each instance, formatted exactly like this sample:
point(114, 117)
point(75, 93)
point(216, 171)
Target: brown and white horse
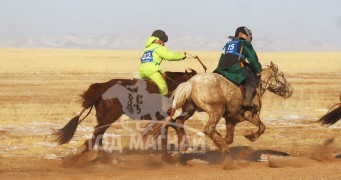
point(116, 97)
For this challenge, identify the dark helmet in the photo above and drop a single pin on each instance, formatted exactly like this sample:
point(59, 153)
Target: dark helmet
point(243, 32)
point(161, 35)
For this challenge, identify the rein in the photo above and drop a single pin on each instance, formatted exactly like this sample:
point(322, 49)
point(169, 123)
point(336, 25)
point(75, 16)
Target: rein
point(196, 57)
point(172, 80)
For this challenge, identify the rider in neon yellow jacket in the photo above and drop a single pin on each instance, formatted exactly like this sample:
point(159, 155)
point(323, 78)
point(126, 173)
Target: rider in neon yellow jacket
point(154, 52)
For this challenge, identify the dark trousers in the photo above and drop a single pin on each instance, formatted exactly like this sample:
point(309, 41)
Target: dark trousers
point(250, 85)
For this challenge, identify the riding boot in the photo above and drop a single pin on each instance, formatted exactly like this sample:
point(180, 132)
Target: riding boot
point(249, 92)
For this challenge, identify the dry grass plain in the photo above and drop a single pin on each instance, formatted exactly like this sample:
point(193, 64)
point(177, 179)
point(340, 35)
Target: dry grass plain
point(40, 90)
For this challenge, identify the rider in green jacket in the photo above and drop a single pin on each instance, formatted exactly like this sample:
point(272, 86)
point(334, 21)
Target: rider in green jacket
point(154, 52)
point(240, 65)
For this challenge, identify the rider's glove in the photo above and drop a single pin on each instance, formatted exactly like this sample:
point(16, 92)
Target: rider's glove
point(185, 56)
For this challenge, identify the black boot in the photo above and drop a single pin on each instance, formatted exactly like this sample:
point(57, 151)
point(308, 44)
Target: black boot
point(247, 101)
point(248, 95)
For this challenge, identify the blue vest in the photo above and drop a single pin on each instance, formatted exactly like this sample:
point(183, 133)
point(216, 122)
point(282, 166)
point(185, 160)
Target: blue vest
point(232, 47)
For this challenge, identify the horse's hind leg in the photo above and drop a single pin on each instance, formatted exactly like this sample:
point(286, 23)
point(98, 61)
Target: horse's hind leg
point(183, 141)
point(210, 130)
point(96, 139)
point(106, 115)
point(261, 128)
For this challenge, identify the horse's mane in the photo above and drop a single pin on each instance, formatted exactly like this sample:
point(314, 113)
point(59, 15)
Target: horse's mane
point(173, 74)
point(177, 74)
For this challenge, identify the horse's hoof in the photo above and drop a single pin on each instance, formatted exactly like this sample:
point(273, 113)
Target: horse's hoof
point(104, 157)
point(225, 150)
point(251, 137)
point(168, 158)
point(82, 149)
point(171, 112)
point(182, 150)
point(229, 141)
point(228, 163)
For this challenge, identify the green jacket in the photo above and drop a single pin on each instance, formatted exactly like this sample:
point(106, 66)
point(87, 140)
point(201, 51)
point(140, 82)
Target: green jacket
point(238, 72)
point(159, 54)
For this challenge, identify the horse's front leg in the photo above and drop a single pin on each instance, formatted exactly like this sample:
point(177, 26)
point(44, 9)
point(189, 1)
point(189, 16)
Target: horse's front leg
point(164, 140)
point(210, 130)
point(261, 129)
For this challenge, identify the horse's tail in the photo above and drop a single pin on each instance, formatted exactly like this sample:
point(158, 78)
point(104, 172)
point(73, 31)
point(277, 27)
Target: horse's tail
point(181, 94)
point(331, 117)
point(90, 98)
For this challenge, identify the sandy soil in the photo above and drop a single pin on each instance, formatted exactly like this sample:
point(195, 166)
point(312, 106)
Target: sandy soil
point(294, 146)
point(146, 166)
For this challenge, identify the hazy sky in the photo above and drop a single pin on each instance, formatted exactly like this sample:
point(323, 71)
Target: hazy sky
point(314, 21)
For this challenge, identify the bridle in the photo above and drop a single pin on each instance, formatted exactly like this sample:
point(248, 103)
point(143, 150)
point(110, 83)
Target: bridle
point(275, 88)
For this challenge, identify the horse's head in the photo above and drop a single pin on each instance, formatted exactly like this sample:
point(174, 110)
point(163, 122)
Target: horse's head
point(190, 73)
point(173, 79)
point(274, 80)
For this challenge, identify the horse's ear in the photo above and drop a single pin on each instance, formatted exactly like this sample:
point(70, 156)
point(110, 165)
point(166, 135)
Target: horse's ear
point(194, 71)
point(186, 71)
point(273, 66)
point(190, 71)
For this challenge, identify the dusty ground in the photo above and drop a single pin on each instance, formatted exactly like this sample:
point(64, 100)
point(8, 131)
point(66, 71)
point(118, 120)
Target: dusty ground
point(294, 146)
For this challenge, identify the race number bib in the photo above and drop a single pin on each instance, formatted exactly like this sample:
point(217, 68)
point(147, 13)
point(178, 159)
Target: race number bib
point(147, 57)
point(231, 47)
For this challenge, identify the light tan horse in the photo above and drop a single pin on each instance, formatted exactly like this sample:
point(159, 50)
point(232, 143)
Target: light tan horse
point(219, 97)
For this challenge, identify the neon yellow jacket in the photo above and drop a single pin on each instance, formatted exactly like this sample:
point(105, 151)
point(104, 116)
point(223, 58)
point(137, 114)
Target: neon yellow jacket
point(160, 53)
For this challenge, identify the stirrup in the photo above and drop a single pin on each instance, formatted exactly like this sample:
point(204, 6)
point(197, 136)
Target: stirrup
point(248, 114)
